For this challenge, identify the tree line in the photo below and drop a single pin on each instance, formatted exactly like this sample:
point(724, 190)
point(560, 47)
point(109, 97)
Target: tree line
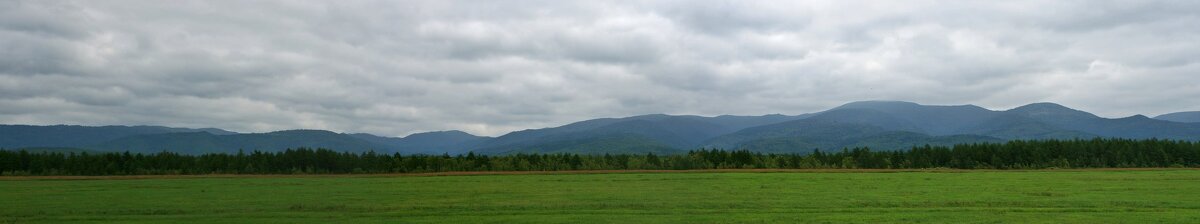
point(1017, 154)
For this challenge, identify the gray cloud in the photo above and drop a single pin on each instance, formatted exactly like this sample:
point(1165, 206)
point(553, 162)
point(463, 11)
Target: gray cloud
point(394, 68)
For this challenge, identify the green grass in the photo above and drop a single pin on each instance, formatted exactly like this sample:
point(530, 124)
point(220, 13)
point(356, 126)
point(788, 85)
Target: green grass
point(1163, 196)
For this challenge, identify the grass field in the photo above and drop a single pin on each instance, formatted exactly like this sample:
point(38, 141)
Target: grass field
point(1077, 196)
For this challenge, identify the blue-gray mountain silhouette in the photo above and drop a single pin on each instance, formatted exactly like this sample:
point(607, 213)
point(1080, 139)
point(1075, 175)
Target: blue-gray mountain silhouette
point(656, 132)
point(881, 125)
point(27, 136)
point(438, 142)
point(1185, 117)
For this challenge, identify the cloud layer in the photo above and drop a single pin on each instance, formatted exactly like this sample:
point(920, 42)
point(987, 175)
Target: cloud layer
point(394, 68)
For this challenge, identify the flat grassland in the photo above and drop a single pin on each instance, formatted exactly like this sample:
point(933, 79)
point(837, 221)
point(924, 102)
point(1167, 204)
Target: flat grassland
point(1070, 196)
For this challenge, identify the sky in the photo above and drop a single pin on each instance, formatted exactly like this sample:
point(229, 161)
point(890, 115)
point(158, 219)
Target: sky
point(394, 68)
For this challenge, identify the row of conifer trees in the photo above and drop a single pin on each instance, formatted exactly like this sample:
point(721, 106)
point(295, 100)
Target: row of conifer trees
point(1019, 154)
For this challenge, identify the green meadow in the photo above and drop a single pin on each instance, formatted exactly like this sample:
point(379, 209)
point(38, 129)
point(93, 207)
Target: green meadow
point(1051, 196)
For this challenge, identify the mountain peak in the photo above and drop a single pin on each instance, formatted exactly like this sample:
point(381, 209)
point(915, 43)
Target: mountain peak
point(1043, 105)
point(876, 104)
point(650, 116)
point(883, 105)
point(1045, 109)
point(442, 134)
point(303, 131)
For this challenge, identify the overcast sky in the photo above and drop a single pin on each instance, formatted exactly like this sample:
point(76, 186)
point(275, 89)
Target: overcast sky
point(489, 67)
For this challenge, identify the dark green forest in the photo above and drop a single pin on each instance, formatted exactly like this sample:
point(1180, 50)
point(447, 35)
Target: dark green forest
point(1018, 154)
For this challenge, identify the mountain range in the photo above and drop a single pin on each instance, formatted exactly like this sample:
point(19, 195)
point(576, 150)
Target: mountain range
point(883, 125)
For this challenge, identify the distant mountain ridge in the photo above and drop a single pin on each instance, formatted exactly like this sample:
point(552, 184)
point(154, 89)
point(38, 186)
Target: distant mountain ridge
point(203, 142)
point(18, 136)
point(883, 125)
point(1184, 117)
point(149, 139)
point(438, 142)
point(669, 131)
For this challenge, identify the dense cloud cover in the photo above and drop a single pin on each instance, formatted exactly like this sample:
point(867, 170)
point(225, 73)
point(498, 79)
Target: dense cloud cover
point(398, 67)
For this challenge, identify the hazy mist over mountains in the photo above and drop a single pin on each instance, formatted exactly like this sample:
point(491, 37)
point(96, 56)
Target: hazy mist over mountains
point(883, 125)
